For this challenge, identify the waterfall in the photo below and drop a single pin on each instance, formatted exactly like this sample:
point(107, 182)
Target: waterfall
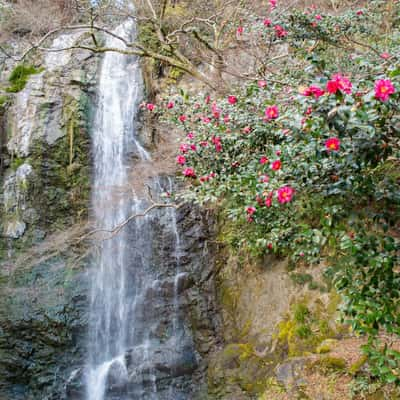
point(138, 346)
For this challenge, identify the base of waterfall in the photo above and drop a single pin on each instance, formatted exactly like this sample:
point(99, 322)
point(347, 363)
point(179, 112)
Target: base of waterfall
point(152, 371)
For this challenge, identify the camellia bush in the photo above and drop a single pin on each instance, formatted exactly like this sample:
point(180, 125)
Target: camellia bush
point(304, 159)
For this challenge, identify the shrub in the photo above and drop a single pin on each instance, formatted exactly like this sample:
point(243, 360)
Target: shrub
point(298, 159)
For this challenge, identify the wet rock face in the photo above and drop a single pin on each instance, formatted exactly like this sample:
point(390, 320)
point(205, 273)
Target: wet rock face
point(44, 284)
point(174, 334)
point(45, 179)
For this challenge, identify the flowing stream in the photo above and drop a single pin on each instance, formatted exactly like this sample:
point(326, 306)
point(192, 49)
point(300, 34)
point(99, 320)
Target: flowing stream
point(138, 347)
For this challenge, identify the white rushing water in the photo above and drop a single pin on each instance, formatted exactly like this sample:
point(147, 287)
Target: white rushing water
point(119, 91)
point(138, 348)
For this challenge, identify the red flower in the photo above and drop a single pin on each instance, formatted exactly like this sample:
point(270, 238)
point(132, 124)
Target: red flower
point(268, 200)
point(272, 4)
point(250, 210)
point(339, 82)
point(150, 106)
point(170, 105)
point(360, 12)
point(181, 159)
point(189, 172)
point(232, 99)
point(318, 17)
point(276, 165)
point(190, 135)
point(205, 178)
point(267, 22)
point(383, 89)
point(332, 144)
point(272, 112)
point(247, 129)
point(262, 84)
point(183, 148)
point(280, 31)
point(240, 30)
point(204, 143)
point(263, 160)
point(313, 91)
point(385, 55)
point(217, 143)
point(285, 194)
point(182, 118)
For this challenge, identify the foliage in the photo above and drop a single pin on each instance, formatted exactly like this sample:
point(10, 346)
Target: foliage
point(305, 159)
point(19, 77)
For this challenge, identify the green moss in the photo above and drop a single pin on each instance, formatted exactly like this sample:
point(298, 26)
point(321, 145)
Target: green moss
point(4, 100)
point(301, 279)
point(329, 363)
point(19, 77)
point(356, 367)
point(16, 163)
point(301, 312)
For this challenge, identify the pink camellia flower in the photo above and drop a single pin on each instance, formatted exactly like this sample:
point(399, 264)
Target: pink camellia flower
point(247, 129)
point(182, 118)
point(268, 201)
point(207, 99)
point(272, 4)
point(280, 32)
point(250, 210)
point(190, 135)
point(313, 91)
point(278, 153)
point(272, 112)
point(205, 178)
point(309, 111)
point(212, 175)
point(263, 160)
point(189, 172)
point(285, 194)
point(262, 84)
point(206, 120)
point(385, 55)
point(276, 165)
point(332, 144)
point(360, 12)
point(240, 30)
point(339, 82)
point(193, 147)
point(150, 106)
point(183, 148)
point(227, 118)
point(267, 22)
point(170, 105)
point(181, 159)
point(217, 143)
point(383, 89)
point(204, 143)
point(318, 17)
point(232, 99)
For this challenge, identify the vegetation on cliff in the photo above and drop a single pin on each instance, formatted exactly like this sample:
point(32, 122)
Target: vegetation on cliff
point(304, 158)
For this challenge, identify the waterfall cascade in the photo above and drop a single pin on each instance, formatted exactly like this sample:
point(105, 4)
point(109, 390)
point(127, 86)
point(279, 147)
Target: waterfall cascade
point(138, 348)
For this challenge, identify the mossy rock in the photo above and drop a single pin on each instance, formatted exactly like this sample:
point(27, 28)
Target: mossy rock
point(238, 366)
point(19, 77)
point(326, 346)
point(328, 363)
